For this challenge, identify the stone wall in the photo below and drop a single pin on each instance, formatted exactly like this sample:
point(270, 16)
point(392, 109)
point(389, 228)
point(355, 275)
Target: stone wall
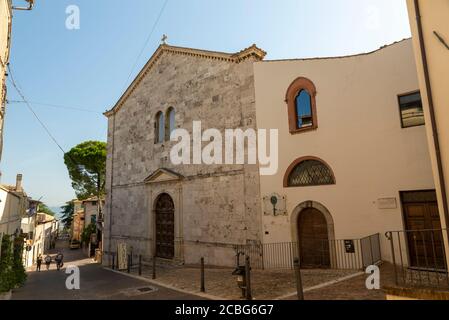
point(216, 206)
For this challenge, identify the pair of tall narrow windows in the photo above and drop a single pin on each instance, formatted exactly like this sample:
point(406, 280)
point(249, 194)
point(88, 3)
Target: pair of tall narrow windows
point(164, 125)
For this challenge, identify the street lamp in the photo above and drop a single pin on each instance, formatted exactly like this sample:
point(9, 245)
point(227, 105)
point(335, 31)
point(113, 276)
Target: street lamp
point(30, 6)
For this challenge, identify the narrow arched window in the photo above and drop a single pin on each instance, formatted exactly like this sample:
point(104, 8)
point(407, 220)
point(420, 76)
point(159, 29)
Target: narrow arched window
point(303, 110)
point(308, 171)
point(301, 104)
point(159, 128)
point(170, 123)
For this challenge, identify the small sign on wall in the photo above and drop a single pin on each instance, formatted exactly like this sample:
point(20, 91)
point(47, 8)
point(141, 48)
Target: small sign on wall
point(387, 203)
point(349, 246)
point(275, 205)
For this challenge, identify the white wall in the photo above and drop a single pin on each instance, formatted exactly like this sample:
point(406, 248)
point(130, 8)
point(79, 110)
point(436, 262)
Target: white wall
point(359, 135)
point(10, 212)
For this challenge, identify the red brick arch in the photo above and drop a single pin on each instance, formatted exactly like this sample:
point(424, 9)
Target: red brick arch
point(302, 159)
point(300, 83)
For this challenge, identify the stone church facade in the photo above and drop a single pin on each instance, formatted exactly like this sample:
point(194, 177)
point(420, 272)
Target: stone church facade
point(184, 212)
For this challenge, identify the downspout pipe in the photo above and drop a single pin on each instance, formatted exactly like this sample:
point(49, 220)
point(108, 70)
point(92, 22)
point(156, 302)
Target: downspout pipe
point(30, 6)
point(436, 138)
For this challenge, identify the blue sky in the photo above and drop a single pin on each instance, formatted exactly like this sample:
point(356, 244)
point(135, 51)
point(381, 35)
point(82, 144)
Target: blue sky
point(88, 68)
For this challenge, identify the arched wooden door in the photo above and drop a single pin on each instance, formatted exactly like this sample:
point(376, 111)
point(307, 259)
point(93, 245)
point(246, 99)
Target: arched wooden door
point(313, 239)
point(165, 227)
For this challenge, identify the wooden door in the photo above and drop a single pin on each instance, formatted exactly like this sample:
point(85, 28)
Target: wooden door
point(425, 247)
point(165, 227)
point(313, 239)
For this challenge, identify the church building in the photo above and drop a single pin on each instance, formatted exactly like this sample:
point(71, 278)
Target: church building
point(352, 150)
point(182, 212)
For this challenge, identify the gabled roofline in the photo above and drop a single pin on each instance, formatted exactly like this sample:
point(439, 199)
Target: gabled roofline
point(252, 51)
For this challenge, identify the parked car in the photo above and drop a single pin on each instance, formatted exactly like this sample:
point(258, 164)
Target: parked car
point(75, 244)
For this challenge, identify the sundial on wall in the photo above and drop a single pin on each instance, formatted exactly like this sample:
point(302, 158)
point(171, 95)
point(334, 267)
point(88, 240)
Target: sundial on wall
point(275, 205)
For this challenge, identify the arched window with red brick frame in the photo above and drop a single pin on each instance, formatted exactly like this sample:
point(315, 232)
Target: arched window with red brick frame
point(301, 103)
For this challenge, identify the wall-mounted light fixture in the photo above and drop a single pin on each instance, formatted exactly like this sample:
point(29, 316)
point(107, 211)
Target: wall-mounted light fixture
point(29, 7)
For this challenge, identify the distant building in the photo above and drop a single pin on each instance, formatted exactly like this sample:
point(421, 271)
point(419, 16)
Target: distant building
point(85, 213)
point(42, 231)
point(13, 206)
point(77, 225)
point(90, 206)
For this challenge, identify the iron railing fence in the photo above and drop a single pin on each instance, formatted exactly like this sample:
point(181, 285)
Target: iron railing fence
point(419, 258)
point(132, 259)
point(334, 254)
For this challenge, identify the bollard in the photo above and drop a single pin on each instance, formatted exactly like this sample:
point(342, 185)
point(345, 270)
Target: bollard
point(129, 264)
point(203, 287)
point(140, 264)
point(248, 279)
point(299, 288)
point(154, 267)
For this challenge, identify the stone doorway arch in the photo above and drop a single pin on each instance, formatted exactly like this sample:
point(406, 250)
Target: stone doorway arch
point(312, 228)
point(165, 226)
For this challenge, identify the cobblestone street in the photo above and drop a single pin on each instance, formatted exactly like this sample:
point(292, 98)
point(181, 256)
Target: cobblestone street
point(96, 283)
point(269, 284)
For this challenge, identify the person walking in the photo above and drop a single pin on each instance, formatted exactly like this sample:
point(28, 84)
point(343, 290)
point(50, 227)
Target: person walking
point(39, 262)
point(58, 259)
point(48, 261)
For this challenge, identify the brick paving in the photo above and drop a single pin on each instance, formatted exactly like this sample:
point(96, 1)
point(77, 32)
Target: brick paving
point(272, 284)
point(354, 289)
point(266, 284)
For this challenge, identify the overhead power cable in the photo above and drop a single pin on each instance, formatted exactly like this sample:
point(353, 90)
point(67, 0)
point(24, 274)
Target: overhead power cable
point(146, 42)
point(56, 106)
point(16, 87)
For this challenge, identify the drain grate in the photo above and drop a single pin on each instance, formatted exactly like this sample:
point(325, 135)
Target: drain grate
point(132, 292)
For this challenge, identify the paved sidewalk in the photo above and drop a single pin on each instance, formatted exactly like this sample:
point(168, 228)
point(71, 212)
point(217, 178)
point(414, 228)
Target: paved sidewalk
point(354, 288)
point(266, 284)
point(318, 284)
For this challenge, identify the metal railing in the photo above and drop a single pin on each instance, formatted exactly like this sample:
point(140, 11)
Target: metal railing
point(419, 258)
point(334, 254)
